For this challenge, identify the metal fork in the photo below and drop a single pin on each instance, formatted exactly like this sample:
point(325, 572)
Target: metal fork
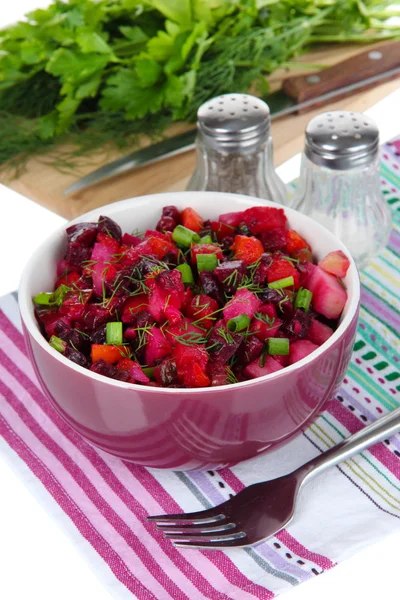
point(262, 509)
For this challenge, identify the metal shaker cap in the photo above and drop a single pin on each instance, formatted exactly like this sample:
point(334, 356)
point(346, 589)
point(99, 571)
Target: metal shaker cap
point(234, 122)
point(341, 140)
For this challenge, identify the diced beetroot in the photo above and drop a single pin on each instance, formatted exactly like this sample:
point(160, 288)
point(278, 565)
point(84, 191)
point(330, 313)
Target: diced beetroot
point(172, 212)
point(49, 320)
point(230, 274)
point(94, 316)
point(74, 305)
point(101, 256)
point(63, 267)
point(242, 303)
point(132, 306)
point(131, 240)
point(222, 230)
point(205, 249)
point(266, 327)
point(247, 249)
point(166, 224)
point(223, 343)
point(262, 218)
point(166, 290)
point(110, 242)
point(203, 309)
point(254, 369)
point(67, 279)
point(82, 233)
point(211, 286)
point(335, 263)
point(232, 219)
point(137, 374)
point(282, 360)
point(318, 332)
point(217, 374)
point(250, 350)
point(194, 376)
point(166, 373)
point(130, 334)
point(298, 326)
point(261, 271)
point(300, 349)
point(187, 355)
point(157, 346)
point(103, 368)
point(172, 314)
point(295, 242)
point(273, 239)
point(110, 227)
point(183, 327)
point(77, 255)
point(77, 357)
point(329, 296)
point(188, 296)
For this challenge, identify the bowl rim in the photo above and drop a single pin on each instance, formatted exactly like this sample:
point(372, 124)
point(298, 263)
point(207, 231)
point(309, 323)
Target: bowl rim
point(28, 319)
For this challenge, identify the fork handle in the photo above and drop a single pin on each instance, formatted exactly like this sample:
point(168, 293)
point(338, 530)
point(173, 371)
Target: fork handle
point(368, 436)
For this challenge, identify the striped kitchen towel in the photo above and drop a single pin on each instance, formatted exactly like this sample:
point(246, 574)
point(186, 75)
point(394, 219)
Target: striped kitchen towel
point(103, 501)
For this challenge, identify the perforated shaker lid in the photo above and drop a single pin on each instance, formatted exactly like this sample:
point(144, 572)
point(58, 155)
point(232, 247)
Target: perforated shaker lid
point(234, 122)
point(341, 140)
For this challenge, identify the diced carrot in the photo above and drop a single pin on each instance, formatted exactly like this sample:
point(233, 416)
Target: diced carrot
point(109, 353)
point(294, 241)
point(125, 364)
point(222, 230)
point(67, 279)
point(108, 241)
point(247, 249)
point(191, 219)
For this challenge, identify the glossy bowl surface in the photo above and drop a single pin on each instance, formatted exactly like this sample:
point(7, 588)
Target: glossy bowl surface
point(185, 429)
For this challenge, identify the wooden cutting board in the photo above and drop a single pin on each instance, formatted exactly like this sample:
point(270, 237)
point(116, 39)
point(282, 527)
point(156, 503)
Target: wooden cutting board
point(45, 185)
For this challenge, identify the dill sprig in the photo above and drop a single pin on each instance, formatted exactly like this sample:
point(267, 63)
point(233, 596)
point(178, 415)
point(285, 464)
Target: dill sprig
point(230, 375)
point(191, 338)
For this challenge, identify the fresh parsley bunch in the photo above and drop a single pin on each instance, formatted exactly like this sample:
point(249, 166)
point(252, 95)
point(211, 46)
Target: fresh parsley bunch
point(92, 72)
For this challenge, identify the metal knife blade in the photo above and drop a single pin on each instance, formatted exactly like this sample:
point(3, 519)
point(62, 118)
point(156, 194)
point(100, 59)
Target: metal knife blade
point(279, 103)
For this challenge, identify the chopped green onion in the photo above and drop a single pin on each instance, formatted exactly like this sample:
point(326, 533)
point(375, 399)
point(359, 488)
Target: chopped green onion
point(303, 299)
point(52, 298)
point(206, 262)
point(58, 344)
point(278, 346)
point(186, 272)
point(184, 236)
point(238, 323)
point(114, 333)
point(149, 371)
point(43, 298)
point(282, 283)
point(206, 239)
point(59, 295)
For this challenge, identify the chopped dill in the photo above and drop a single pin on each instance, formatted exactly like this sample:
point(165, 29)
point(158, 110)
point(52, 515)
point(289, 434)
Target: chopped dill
point(230, 375)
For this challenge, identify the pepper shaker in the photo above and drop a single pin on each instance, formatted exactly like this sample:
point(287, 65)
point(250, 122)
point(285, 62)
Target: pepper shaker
point(234, 148)
point(339, 183)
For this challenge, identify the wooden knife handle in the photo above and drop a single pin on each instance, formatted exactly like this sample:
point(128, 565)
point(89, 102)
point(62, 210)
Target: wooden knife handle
point(375, 60)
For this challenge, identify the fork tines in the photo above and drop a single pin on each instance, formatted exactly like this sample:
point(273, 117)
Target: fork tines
point(203, 529)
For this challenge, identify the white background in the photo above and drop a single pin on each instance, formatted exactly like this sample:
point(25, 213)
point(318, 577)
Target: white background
point(38, 560)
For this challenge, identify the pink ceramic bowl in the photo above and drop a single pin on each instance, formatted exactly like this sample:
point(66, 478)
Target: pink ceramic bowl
point(187, 428)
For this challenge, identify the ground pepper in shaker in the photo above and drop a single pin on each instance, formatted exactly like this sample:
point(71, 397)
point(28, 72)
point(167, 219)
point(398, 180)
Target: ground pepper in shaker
point(339, 184)
point(234, 149)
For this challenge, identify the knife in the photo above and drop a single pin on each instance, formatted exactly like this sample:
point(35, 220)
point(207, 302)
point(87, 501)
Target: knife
point(299, 93)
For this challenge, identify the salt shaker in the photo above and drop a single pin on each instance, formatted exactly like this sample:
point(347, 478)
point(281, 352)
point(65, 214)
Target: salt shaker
point(339, 183)
point(234, 148)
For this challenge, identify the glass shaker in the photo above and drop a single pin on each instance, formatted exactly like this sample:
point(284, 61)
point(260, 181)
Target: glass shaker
point(339, 183)
point(234, 149)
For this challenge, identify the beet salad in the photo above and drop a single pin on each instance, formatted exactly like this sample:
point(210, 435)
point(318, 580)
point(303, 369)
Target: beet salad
point(193, 302)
